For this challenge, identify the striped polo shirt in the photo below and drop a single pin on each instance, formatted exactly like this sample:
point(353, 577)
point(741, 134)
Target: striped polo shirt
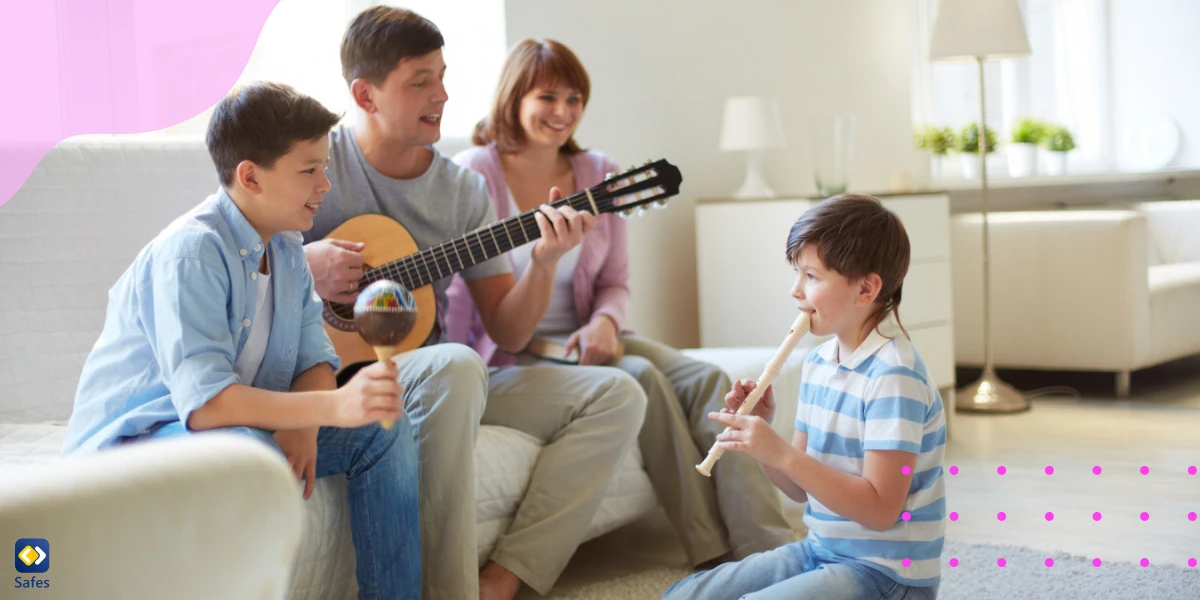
point(878, 398)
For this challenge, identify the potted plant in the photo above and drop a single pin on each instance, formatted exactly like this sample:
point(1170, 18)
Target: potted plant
point(1057, 141)
point(938, 141)
point(1022, 150)
point(967, 144)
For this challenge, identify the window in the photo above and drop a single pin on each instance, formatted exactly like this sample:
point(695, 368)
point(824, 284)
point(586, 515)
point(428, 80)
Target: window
point(300, 42)
point(1064, 80)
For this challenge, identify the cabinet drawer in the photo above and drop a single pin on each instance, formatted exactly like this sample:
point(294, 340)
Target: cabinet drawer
point(936, 347)
point(927, 221)
point(927, 297)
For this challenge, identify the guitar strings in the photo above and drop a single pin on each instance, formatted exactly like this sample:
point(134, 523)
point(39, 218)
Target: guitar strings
point(409, 269)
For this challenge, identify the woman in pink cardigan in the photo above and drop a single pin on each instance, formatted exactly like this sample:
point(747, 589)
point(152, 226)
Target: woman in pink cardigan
point(524, 148)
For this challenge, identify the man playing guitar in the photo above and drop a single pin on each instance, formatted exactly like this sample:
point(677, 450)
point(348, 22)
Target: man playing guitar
point(587, 417)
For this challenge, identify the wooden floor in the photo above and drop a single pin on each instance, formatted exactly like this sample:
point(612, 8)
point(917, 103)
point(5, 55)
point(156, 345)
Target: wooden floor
point(1157, 427)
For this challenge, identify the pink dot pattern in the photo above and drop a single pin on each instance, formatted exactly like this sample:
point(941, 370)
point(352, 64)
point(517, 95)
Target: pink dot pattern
point(1049, 562)
point(1192, 516)
point(1145, 516)
point(1049, 470)
point(1001, 470)
point(1191, 470)
point(953, 470)
point(1001, 562)
point(1096, 562)
point(1049, 516)
point(906, 562)
point(1095, 516)
point(1096, 470)
point(1145, 562)
point(1192, 563)
point(1001, 516)
point(953, 516)
point(906, 515)
point(1145, 470)
point(907, 470)
point(954, 562)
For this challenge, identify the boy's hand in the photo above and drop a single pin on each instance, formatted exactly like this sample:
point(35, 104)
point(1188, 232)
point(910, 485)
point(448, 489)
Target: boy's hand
point(562, 229)
point(765, 409)
point(300, 448)
point(372, 395)
point(753, 437)
point(337, 267)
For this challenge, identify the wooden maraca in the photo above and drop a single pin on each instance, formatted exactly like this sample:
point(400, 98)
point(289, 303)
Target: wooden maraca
point(384, 313)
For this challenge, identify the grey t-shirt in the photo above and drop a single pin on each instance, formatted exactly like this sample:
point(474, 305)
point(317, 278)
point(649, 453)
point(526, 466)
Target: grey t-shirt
point(445, 202)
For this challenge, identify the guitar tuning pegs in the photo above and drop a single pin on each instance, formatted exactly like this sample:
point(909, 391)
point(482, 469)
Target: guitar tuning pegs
point(660, 204)
point(626, 214)
point(641, 209)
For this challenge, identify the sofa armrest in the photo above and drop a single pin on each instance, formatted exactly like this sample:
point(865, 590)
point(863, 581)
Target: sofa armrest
point(1068, 289)
point(206, 516)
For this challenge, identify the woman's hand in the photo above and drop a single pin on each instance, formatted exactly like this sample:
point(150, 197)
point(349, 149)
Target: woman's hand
point(596, 341)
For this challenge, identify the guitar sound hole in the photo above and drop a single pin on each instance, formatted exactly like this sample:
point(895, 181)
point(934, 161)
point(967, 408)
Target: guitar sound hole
point(340, 316)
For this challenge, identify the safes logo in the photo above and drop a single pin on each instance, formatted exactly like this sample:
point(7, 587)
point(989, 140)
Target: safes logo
point(31, 555)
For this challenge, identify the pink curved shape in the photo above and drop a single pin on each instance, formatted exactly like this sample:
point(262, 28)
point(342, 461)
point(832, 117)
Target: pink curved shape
point(75, 67)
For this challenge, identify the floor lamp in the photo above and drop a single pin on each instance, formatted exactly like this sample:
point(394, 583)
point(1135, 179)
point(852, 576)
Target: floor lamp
point(977, 30)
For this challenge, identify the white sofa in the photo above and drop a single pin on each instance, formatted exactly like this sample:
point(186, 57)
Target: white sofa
point(67, 235)
point(1091, 290)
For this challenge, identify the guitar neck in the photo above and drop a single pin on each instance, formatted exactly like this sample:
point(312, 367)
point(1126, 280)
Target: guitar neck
point(446, 259)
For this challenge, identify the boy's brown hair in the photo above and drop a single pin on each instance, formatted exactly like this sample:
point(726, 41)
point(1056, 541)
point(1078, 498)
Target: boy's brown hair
point(856, 235)
point(379, 37)
point(260, 122)
point(529, 64)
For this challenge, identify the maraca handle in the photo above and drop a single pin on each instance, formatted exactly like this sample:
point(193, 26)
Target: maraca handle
point(385, 354)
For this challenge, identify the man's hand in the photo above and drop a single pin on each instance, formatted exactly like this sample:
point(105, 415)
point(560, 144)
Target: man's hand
point(300, 448)
point(562, 229)
point(337, 267)
point(597, 341)
point(753, 437)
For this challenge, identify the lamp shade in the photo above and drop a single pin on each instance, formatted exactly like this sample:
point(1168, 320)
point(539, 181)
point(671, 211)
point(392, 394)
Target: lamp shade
point(751, 123)
point(970, 29)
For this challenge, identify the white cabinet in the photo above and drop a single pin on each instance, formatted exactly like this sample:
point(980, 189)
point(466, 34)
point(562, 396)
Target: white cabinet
point(744, 277)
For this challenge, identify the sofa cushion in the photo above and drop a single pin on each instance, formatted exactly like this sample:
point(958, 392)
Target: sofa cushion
point(1171, 227)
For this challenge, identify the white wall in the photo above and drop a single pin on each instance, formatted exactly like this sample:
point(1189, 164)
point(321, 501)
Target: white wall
point(1156, 70)
point(660, 72)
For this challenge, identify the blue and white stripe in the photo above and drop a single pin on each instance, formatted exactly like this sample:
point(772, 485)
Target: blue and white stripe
point(879, 398)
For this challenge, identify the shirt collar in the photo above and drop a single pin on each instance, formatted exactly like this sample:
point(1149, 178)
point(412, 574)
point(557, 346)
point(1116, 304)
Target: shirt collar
point(249, 244)
point(889, 327)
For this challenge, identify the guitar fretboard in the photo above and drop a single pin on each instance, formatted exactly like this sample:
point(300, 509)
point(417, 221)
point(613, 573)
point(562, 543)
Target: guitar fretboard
point(445, 259)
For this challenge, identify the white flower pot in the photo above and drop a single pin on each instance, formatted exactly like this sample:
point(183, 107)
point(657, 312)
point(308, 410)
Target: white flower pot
point(935, 166)
point(1055, 163)
point(970, 165)
point(1022, 160)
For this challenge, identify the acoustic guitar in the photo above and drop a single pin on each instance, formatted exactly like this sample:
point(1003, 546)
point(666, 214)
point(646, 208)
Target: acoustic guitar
point(391, 253)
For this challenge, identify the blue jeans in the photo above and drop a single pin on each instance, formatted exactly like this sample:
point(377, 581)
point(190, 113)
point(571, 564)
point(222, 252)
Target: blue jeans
point(381, 475)
point(797, 571)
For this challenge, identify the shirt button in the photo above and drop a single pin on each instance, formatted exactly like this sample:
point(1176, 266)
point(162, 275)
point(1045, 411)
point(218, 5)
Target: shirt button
point(245, 322)
point(242, 251)
point(254, 276)
point(257, 247)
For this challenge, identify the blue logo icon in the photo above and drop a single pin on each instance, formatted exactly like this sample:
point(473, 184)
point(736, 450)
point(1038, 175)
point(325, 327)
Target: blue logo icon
point(32, 555)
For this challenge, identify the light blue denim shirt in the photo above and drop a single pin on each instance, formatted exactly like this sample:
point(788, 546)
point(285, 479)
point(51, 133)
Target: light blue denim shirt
point(178, 319)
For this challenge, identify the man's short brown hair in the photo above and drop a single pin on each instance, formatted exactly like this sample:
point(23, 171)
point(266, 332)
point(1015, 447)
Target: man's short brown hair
point(379, 37)
point(260, 122)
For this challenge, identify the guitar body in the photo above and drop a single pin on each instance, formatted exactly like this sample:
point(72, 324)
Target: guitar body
point(389, 252)
point(386, 241)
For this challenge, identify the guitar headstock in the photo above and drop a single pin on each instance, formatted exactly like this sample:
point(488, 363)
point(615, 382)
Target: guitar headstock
point(651, 184)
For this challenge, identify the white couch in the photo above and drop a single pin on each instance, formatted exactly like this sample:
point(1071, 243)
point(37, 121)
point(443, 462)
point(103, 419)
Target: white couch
point(68, 234)
point(1091, 290)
